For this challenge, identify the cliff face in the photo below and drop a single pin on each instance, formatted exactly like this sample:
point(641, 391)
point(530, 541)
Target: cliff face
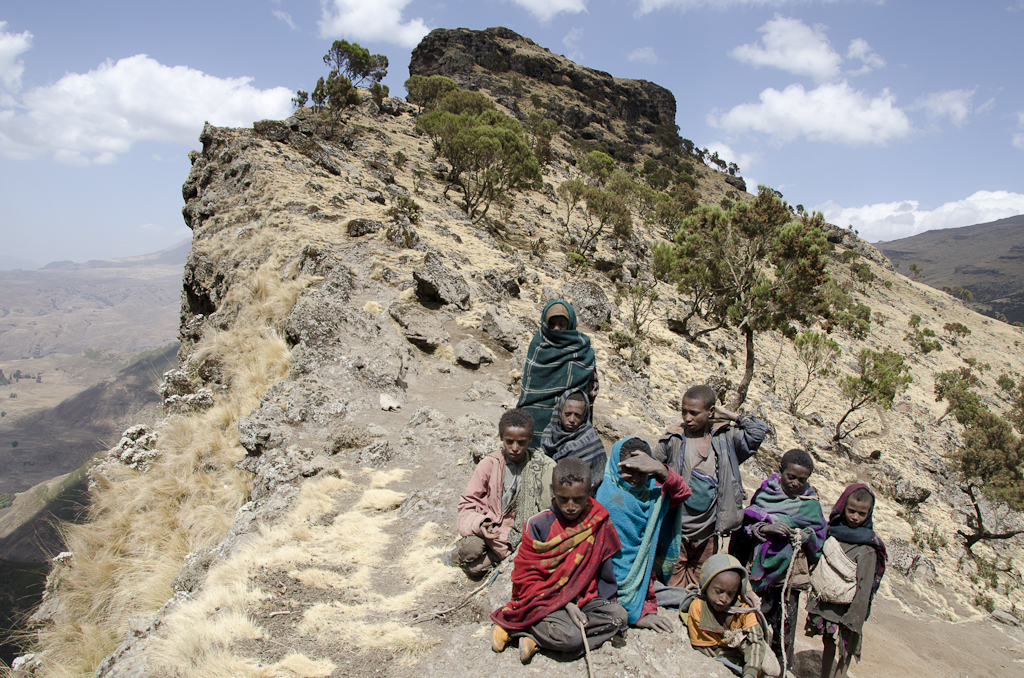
point(341, 372)
point(588, 103)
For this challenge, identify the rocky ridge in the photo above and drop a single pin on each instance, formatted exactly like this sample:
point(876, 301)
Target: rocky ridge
point(392, 348)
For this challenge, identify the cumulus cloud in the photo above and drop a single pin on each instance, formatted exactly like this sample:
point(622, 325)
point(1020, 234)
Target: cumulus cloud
point(379, 20)
point(544, 10)
point(91, 118)
point(12, 45)
point(645, 55)
point(571, 42)
point(1018, 138)
point(743, 160)
point(895, 220)
point(954, 104)
point(793, 46)
point(833, 112)
point(860, 50)
point(648, 6)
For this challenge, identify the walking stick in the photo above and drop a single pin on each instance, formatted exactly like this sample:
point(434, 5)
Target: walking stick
point(586, 646)
point(797, 541)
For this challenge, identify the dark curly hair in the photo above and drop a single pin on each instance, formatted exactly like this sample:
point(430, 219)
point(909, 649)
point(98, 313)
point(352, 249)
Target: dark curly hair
point(516, 418)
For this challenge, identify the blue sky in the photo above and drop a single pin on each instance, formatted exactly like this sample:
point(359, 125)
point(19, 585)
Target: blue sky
point(893, 117)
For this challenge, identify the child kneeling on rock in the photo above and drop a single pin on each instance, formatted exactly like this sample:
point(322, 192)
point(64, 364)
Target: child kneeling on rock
point(724, 621)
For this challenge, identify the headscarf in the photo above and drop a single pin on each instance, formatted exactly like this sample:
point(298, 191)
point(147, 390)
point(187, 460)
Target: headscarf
point(723, 562)
point(865, 534)
point(770, 504)
point(556, 361)
point(583, 443)
point(637, 514)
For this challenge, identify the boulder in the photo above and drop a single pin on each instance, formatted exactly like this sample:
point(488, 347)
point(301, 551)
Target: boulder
point(503, 284)
point(471, 353)
point(909, 494)
point(361, 227)
point(500, 328)
point(434, 282)
point(591, 303)
point(404, 236)
point(419, 325)
point(737, 182)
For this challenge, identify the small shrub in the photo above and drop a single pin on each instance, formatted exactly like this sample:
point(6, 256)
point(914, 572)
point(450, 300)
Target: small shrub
point(400, 159)
point(405, 206)
point(726, 204)
point(888, 284)
point(575, 264)
point(850, 255)
point(621, 340)
point(538, 248)
point(984, 601)
point(537, 102)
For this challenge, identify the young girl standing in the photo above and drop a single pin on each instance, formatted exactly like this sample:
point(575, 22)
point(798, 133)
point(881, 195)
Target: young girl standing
point(840, 624)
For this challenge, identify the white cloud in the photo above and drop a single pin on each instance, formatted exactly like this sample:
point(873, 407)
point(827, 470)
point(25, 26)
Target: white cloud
point(954, 104)
point(571, 42)
point(645, 55)
point(11, 67)
point(1018, 138)
point(648, 6)
point(285, 17)
point(986, 107)
point(378, 20)
point(744, 160)
point(833, 112)
point(895, 220)
point(793, 46)
point(860, 49)
point(91, 118)
point(545, 10)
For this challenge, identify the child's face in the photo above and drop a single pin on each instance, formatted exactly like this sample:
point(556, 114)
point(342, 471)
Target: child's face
point(571, 500)
point(514, 441)
point(695, 416)
point(558, 322)
point(573, 413)
point(793, 479)
point(856, 512)
point(723, 590)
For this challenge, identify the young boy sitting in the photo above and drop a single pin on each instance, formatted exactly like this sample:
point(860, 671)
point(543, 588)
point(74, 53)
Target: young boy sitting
point(562, 576)
point(570, 433)
point(841, 624)
point(723, 619)
point(709, 461)
point(507, 487)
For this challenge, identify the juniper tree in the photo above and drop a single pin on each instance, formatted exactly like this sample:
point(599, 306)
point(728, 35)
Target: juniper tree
point(817, 355)
point(954, 386)
point(427, 92)
point(356, 63)
point(766, 268)
point(878, 379)
point(486, 151)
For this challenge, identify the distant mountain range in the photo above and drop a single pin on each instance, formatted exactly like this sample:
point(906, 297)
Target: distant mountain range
point(987, 259)
point(127, 305)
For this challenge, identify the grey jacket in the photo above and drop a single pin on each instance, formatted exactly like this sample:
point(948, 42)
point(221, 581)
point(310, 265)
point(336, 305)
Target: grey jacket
point(733, 445)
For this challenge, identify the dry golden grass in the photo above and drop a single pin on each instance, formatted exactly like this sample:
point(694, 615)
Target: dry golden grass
point(141, 526)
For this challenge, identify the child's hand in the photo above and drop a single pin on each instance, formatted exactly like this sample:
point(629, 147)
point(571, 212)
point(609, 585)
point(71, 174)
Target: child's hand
point(489, 530)
point(781, 529)
point(576, 614)
point(643, 463)
point(654, 622)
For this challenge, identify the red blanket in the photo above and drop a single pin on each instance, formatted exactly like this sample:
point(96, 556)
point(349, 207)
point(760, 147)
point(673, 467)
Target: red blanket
point(548, 575)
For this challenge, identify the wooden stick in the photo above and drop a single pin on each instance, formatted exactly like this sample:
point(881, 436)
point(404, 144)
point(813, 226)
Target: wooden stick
point(586, 646)
point(462, 603)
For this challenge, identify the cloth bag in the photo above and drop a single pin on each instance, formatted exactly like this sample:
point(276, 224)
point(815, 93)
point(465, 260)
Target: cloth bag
point(834, 578)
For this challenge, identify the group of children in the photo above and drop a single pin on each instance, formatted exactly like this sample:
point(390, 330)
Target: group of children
point(602, 540)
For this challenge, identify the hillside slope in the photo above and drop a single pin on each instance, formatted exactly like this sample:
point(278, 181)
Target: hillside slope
point(357, 365)
point(987, 259)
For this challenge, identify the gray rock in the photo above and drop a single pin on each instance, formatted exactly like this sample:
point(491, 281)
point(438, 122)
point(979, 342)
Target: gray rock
point(419, 325)
point(361, 227)
point(909, 494)
point(503, 284)
point(435, 282)
point(404, 236)
point(548, 294)
point(902, 556)
point(591, 303)
point(502, 330)
point(737, 182)
point(1004, 617)
point(472, 353)
point(190, 403)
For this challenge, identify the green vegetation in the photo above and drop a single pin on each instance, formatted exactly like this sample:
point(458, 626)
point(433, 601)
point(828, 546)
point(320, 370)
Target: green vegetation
point(484, 148)
point(956, 332)
point(404, 206)
point(921, 339)
point(817, 355)
point(350, 65)
point(916, 271)
point(541, 131)
point(954, 386)
point(878, 379)
point(427, 92)
point(597, 166)
point(6, 500)
point(758, 268)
